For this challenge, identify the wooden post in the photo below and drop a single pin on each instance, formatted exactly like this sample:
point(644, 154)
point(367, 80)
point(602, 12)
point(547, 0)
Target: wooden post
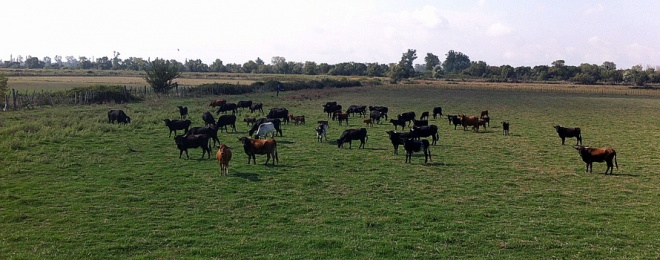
point(6, 103)
point(13, 93)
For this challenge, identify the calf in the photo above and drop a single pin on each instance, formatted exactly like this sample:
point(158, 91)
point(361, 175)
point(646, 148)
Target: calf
point(174, 125)
point(264, 129)
point(565, 132)
point(183, 111)
point(505, 128)
point(253, 147)
point(397, 138)
point(298, 119)
point(424, 116)
point(250, 120)
point(321, 132)
point(368, 122)
point(437, 111)
point(398, 122)
point(425, 131)
point(208, 118)
point(257, 106)
point(593, 154)
point(185, 142)
point(420, 122)
point(408, 117)
point(412, 146)
point(119, 116)
point(341, 117)
point(276, 123)
point(210, 131)
point(353, 134)
point(227, 120)
point(224, 156)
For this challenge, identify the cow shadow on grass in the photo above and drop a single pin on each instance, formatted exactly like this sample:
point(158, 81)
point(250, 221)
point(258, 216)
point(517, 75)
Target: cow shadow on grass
point(248, 176)
point(619, 174)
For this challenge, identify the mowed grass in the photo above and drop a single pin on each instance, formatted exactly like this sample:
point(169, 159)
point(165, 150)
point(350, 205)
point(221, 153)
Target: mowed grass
point(74, 186)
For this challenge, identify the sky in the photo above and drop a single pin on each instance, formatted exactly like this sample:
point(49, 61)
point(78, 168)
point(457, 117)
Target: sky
point(499, 32)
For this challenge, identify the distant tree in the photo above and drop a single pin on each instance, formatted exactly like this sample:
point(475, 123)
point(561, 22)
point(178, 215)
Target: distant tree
point(523, 72)
point(431, 61)
point(323, 68)
point(58, 60)
point(635, 76)
point(196, 66)
point(103, 63)
point(608, 65)
point(116, 61)
point(234, 68)
point(217, 66)
point(160, 73)
point(507, 73)
point(3, 86)
point(558, 63)
point(477, 69)
point(72, 62)
point(309, 68)
point(406, 63)
point(376, 70)
point(47, 61)
point(134, 63)
point(540, 72)
point(33, 63)
point(455, 62)
point(295, 67)
point(84, 63)
point(280, 65)
point(250, 67)
point(397, 72)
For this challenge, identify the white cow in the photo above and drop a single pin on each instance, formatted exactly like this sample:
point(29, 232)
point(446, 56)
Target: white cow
point(266, 128)
point(321, 132)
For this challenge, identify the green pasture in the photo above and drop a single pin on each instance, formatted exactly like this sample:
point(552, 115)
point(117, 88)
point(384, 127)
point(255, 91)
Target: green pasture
point(73, 186)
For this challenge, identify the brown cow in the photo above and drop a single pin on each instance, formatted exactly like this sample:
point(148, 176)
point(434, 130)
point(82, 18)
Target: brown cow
point(368, 122)
point(297, 119)
point(593, 154)
point(253, 147)
point(218, 103)
point(484, 113)
point(472, 121)
point(224, 156)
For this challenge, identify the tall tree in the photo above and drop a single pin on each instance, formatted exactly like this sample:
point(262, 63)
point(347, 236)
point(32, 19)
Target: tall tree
point(160, 73)
point(455, 62)
point(406, 63)
point(431, 61)
point(217, 66)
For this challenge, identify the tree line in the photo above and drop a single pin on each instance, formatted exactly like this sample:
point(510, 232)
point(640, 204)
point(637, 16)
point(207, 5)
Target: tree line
point(455, 65)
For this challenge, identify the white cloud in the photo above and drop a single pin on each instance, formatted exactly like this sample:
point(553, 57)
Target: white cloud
point(499, 29)
point(599, 8)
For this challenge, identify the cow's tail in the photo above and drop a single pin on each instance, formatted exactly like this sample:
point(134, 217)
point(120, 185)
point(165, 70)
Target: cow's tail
point(616, 163)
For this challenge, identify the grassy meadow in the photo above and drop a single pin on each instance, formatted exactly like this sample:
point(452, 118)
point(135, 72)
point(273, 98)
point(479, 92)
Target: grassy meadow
point(73, 186)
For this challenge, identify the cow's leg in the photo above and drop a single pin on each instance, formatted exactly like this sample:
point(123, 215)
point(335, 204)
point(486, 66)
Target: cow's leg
point(180, 153)
point(562, 140)
point(267, 158)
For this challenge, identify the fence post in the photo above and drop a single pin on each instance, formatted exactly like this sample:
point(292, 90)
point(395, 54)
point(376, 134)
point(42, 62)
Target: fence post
point(13, 93)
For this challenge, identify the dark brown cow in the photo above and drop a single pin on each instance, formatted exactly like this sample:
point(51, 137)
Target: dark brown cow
point(484, 113)
point(341, 117)
point(252, 147)
point(505, 128)
point(565, 132)
point(472, 121)
point(594, 154)
point(217, 103)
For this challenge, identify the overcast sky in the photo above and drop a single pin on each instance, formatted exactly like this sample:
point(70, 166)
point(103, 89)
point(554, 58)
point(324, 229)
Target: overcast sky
point(513, 32)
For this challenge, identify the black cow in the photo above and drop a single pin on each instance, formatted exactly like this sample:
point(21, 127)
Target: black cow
point(174, 125)
point(183, 111)
point(119, 116)
point(277, 123)
point(227, 120)
point(456, 120)
point(398, 122)
point(408, 117)
point(185, 142)
point(208, 118)
point(424, 116)
point(244, 104)
point(257, 106)
point(426, 131)
point(375, 116)
point(226, 108)
point(360, 110)
point(397, 138)
point(437, 111)
point(210, 131)
point(565, 132)
point(383, 110)
point(412, 146)
point(420, 122)
point(282, 113)
point(353, 134)
point(331, 107)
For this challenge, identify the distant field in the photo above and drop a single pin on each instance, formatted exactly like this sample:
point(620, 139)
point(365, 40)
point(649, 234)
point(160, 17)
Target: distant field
point(73, 186)
point(66, 82)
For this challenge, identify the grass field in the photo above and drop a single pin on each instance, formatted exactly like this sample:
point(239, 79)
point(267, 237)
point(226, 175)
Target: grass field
point(74, 186)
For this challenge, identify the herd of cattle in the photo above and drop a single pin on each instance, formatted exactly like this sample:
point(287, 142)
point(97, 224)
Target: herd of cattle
point(202, 136)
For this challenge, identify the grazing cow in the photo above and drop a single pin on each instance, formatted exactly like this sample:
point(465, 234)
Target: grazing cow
point(449, 118)
point(208, 118)
point(185, 142)
point(250, 120)
point(424, 116)
point(593, 154)
point(264, 129)
point(257, 106)
point(397, 138)
point(174, 125)
point(183, 111)
point(341, 117)
point(119, 116)
point(210, 131)
point(486, 121)
point(398, 122)
point(368, 122)
point(227, 120)
point(505, 128)
point(276, 123)
point(282, 113)
point(360, 110)
point(226, 108)
point(437, 111)
point(456, 120)
point(217, 103)
point(484, 113)
point(375, 116)
point(408, 117)
point(420, 122)
point(244, 104)
point(483, 122)
point(425, 131)
point(565, 132)
point(321, 132)
point(224, 156)
point(383, 110)
point(253, 147)
point(472, 121)
point(297, 119)
point(353, 134)
point(331, 108)
point(413, 146)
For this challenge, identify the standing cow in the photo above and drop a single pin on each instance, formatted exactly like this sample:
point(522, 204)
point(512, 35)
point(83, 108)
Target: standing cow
point(593, 154)
point(565, 132)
